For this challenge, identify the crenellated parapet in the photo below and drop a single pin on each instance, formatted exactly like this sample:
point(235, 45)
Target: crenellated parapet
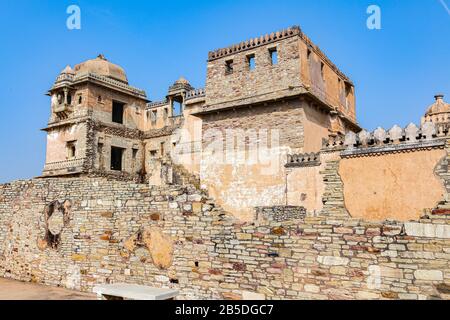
point(196, 93)
point(397, 139)
point(155, 104)
point(303, 160)
point(272, 38)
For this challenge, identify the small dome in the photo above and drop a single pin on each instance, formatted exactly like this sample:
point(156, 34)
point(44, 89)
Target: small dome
point(182, 80)
point(102, 67)
point(68, 70)
point(439, 106)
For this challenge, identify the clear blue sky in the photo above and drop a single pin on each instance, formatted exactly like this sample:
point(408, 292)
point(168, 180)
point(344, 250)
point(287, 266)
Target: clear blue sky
point(396, 70)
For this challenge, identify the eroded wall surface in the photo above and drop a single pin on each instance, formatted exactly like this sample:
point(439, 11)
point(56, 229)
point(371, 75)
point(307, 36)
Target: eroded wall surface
point(103, 231)
point(244, 154)
point(392, 186)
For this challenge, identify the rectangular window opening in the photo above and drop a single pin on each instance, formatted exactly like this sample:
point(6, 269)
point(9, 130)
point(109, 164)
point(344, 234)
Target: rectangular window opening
point(251, 62)
point(229, 67)
point(162, 149)
point(154, 116)
point(116, 158)
point(177, 108)
point(71, 150)
point(348, 91)
point(273, 56)
point(322, 70)
point(117, 112)
point(134, 158)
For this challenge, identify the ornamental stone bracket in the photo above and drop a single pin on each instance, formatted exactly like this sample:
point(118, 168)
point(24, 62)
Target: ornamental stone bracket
point(303, 160)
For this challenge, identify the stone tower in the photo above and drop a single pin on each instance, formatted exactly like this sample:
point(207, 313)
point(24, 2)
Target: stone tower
point(96, 118)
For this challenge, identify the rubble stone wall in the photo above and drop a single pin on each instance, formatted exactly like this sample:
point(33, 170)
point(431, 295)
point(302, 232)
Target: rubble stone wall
point(78, 232)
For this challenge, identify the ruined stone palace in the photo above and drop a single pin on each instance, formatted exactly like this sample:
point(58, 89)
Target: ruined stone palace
point(262, 185)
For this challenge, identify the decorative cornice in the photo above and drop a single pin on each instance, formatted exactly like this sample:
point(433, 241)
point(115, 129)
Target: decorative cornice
point(401, 148)
point(69, 79)
point(396, 140)
point(303, 160)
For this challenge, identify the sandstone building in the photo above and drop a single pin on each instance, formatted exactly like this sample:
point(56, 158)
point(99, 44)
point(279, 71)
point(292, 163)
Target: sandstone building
point(260, 185)
point(282, 82)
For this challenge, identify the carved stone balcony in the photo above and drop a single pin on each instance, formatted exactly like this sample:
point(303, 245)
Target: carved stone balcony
point(63, 167)
point(63, 110)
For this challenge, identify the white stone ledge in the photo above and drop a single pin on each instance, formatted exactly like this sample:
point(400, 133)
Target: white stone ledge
point(427, 230)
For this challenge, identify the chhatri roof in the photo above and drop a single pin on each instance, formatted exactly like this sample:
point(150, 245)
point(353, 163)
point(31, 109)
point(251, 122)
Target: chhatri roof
point(439, 106)
point(101, 66)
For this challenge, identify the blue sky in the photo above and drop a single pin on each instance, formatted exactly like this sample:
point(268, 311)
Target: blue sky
point(396, 70)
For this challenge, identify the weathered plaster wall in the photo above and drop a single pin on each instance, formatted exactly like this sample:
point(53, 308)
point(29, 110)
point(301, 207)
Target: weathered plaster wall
point(305, 188)
point(316, 125)
point(134, 111)
point(57, 142)
point(392, 186)
point(245, 175)
point(174, 237)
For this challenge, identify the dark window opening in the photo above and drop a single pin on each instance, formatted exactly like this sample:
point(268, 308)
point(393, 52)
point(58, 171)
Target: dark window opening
point(153, 153)
point(69, 99)
point(99, 99)
point(80, 99)
point(134, 158)
point(273, 56)
point(162, 149)
point(116, 158)
point(117, 113)
point(229, 67)
point(322, 70)
point(251, 62)
point(71, 149)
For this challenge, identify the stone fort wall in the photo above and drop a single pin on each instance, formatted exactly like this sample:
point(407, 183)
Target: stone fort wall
point(78, 232)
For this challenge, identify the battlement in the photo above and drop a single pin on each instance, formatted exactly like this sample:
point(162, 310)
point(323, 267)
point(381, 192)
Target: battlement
point(395, 140)
point(196, 93)
point(272, 38)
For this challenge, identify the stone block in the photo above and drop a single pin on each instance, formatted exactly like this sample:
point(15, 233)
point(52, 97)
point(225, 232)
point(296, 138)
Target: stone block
point(427, 230)
point(248, 295)
point(430, 275)
point(333, 261)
